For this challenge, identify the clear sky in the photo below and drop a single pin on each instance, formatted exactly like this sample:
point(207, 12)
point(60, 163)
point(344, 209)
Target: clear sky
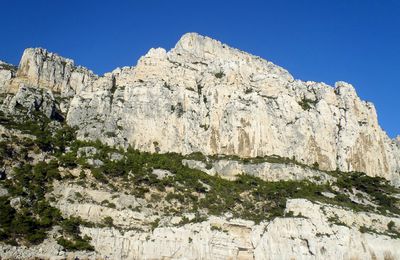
point(357, 41)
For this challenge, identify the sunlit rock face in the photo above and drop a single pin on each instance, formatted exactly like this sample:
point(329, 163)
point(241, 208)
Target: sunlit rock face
point(7, 71)
point(44, 69)
point(204, 96)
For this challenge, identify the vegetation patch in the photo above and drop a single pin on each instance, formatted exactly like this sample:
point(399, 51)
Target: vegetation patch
point(307, 104)
point(219, 75)
point(71, 239)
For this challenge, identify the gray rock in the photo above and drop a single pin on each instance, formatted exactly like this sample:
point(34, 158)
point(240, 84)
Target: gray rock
point(282, 238)
point(33, 100)
point(16, 202)
point(328, 194)
point(3, 192)
point(229, 169)
point(161, 174)
point(7, 72)
point(87, 151)
point(95, 162)
point(116, 157)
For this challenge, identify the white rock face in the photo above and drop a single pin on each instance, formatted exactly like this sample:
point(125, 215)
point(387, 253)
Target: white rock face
point(7, 72)
point(43, 69)
point(204, 96)
point(310, 231)
point(308, 237)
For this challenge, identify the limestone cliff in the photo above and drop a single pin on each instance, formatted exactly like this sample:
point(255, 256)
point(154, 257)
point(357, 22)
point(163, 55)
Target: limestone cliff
point(204, 96)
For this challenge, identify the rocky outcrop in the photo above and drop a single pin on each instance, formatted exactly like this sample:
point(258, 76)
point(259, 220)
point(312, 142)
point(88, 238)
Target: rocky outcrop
point(230, 169)
point(312, 236)
point(7, 72)
point(95, 205)
point(32, 100)
point(44, 69)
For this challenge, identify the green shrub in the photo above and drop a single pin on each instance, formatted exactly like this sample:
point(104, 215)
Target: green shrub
point(98, 175)
point(155, 224)
point(307, 104)
point(108, 221)
point(391, 225)
point(377, 188)
point(219, 75)
point(68, 160)
point(75, 244)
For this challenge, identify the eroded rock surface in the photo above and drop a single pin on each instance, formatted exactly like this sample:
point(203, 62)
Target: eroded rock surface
point(31, 100)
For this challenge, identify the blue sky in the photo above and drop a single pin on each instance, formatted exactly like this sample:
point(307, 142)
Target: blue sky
point(350, 40)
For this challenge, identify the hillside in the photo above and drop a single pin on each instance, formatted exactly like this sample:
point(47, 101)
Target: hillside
point(200, 152)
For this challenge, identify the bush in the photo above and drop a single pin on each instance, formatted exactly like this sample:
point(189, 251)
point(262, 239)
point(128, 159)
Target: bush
point(108, 221)
point(343, 198)
point(219, 75)
point(68, 160)
point(98, 175)
point(71, 225)
point(376, 187)
point(7, 212)
point(75, 244)
point(72, 239)
point(155, 224)
point(33, 220)
point(391, 225)
point(307, 104)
